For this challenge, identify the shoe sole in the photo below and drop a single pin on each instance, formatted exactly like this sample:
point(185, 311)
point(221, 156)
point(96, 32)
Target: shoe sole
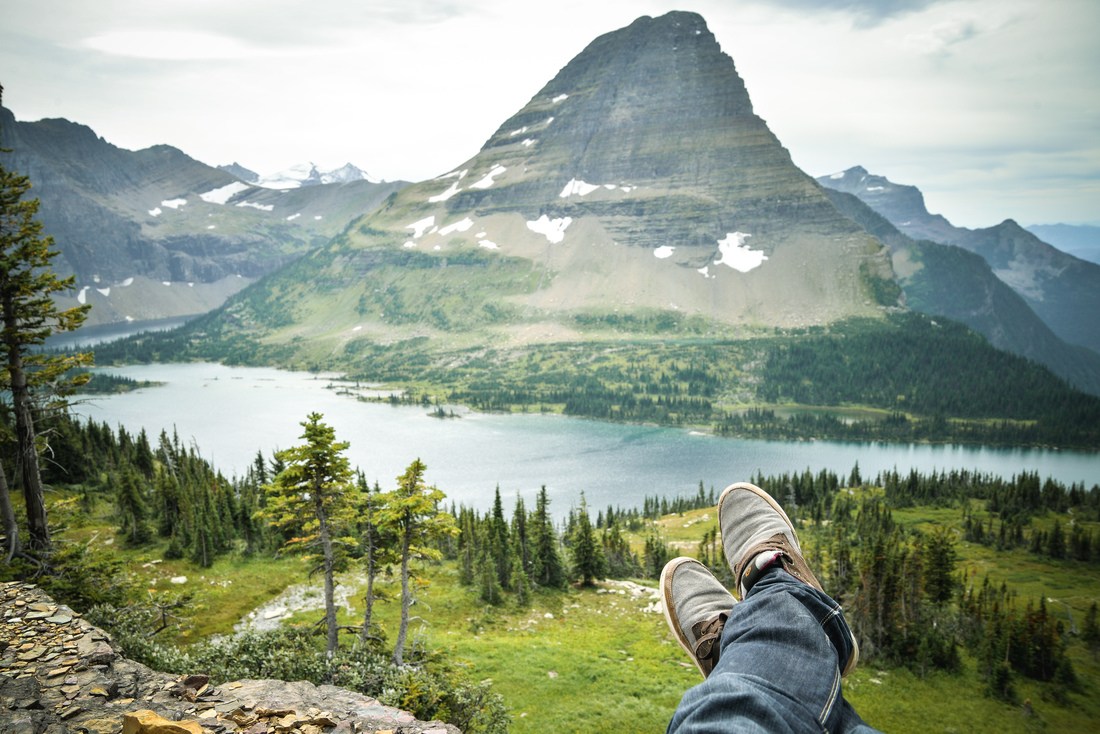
point(670, 608)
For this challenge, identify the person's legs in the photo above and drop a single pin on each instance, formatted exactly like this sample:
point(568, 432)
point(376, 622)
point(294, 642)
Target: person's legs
point(778, 666)
point(757, 536)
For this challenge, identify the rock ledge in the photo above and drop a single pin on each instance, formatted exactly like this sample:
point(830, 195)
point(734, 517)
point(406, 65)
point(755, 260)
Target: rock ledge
point(60, 674)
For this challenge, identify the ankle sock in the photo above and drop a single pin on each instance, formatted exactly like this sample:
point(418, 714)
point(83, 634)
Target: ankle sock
point(755, 568)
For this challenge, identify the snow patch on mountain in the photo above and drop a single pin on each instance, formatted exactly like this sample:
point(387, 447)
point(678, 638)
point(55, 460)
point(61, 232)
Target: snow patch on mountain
point(173, 203)
point(663, 252)
point(459, 226)
point(261, 207)
point(734, 253)
point(552, 229)
point(420, 226)
point(487, 180)
point(451, 190)
point(577, 187)
point(224, 193)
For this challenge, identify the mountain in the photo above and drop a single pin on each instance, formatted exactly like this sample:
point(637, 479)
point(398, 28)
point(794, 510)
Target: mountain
point(1064, 291)
point(307, 174)
point(1081, 241)
point(638, 185)
point(949, 281)
point(236, 170)
point(154, 233)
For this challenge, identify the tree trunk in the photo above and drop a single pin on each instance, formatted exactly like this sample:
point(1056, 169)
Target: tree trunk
point(406, 600)
point(364, 633)
point(11, 528)
point(330, 583)
point(38, 530)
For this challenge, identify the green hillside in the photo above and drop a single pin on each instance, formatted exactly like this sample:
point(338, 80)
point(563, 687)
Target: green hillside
point(905, 378)
point(601, 658)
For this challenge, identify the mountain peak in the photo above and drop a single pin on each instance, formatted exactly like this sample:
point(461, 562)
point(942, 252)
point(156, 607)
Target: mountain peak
point(308, 174)
point(619, 109)
point(638, 179)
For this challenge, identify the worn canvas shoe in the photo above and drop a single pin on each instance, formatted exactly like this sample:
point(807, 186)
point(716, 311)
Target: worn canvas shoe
point(757, 534)
point(696, 608)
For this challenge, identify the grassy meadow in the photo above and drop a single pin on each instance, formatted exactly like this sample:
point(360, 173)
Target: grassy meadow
point(603, 660)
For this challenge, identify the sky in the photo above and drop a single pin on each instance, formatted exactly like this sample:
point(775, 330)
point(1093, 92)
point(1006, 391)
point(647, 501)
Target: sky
point(990, 107)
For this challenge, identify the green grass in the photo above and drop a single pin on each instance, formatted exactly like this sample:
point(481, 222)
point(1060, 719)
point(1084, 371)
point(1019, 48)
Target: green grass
point(581, 660)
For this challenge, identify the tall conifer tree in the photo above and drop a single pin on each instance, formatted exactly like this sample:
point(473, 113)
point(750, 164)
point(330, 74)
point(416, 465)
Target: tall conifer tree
point(315, 498)
point(413, 511)
point(28, 315)
point(546, 564)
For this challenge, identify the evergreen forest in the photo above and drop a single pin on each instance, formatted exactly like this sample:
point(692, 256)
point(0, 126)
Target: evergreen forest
point(898, 551)
point(906, 378)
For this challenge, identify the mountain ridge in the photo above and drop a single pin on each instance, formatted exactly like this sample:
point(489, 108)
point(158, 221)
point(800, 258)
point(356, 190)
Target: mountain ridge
point(589, 201)
point(153, 233)
point(1063, 290)
point(950, 281)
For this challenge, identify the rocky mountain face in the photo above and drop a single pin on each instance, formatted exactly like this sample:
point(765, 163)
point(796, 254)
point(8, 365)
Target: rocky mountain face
point(1064, 291)
point(949, 281)
point(153, 233)
point(58, 673)
point(638, 180)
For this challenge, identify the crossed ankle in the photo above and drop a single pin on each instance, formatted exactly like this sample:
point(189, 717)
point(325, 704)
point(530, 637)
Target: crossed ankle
point(756, 567)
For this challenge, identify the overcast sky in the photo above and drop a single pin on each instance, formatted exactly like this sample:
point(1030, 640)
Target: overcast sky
point(991, 107)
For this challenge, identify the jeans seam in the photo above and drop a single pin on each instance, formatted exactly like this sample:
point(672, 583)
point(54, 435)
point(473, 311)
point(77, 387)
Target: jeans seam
point(827, 709)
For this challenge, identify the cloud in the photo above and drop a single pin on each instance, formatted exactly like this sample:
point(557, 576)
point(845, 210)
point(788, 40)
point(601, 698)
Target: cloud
point(940, 38)
point(168, 45)
point(865, 13)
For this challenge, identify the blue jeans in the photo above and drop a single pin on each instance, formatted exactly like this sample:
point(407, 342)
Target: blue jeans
point(778, 670)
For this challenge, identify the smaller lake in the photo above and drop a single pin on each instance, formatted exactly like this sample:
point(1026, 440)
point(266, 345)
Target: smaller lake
point(230, 413)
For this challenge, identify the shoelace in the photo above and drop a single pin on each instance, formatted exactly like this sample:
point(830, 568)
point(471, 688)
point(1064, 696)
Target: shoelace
point(707, 633)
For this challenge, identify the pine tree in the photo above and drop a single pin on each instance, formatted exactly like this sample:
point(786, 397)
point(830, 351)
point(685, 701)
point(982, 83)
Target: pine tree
point(939, 569)
point(1056, 541)
point(589, 563)
point(489, 587)
point(520, 541)
point(413, 511)
point(546, 565)
point(315, 498)
point(133, 513)
point(1090, 633)
point(377, 543)
point(499, 544)
point(28, 315)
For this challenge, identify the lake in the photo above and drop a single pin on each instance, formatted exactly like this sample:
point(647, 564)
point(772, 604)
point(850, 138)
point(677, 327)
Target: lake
point(230, 413)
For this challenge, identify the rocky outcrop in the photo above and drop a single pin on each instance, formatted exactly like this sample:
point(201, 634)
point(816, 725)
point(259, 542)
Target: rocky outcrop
point(60, 674)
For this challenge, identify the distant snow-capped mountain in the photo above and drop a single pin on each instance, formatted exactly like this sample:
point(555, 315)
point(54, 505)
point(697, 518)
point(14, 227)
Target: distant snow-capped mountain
point(297, 176)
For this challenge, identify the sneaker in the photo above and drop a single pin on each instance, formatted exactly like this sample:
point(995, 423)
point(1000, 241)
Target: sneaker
point(696, 608)
point(757, 534)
